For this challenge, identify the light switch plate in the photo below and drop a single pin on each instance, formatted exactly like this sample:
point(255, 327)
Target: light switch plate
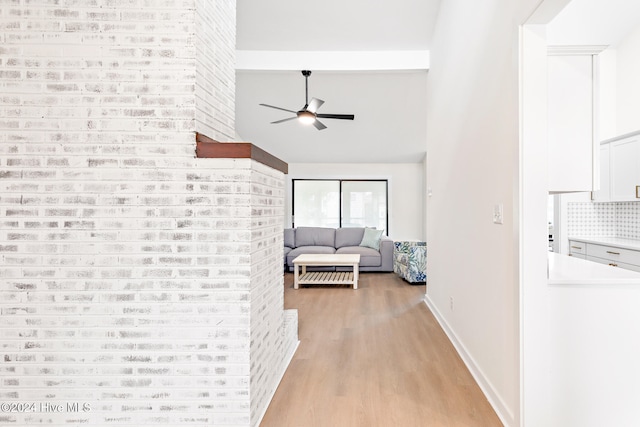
point(498, 213)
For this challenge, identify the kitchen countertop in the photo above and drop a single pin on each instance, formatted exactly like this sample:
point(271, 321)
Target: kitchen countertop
point(567, 270)
point(620, 242)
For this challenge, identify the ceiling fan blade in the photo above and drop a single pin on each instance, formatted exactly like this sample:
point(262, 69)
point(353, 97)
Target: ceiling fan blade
point(277, 108)
point(336, 116)
point(315, 104)
point(319, 125)
point(283, 120)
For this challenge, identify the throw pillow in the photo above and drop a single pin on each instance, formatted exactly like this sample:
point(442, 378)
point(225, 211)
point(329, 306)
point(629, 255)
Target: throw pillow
point(371, 238)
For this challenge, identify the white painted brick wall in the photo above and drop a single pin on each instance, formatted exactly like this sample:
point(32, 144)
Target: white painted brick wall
point(267, 325)
point(128, 267)
point(215, 70)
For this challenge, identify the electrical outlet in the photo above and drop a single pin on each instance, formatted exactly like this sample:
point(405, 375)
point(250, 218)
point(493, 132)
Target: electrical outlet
point(451, 303)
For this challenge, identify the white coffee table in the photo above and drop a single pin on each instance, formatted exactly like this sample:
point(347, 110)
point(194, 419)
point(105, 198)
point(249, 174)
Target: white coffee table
point(325, 277)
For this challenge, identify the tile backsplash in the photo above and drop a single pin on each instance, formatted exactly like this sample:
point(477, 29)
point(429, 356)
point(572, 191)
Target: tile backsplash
point(604, 219)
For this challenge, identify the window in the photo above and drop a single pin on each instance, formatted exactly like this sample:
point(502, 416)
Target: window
point(340, 203)
point(316, 203)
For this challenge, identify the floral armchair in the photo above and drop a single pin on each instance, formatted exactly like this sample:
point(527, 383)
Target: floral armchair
point(410, 261)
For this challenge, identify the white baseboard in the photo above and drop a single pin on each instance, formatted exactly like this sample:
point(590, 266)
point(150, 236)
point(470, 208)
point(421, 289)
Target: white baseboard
point(286, 365)
point(503, 412)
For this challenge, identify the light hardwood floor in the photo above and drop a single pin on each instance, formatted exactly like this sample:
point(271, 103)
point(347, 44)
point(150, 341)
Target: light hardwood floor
point(374, 356)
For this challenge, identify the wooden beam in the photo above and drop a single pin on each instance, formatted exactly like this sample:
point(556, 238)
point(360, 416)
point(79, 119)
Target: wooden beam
point(207, 148)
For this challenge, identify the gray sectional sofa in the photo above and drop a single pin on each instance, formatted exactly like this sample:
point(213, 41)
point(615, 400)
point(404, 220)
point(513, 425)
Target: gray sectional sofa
point(322, 240)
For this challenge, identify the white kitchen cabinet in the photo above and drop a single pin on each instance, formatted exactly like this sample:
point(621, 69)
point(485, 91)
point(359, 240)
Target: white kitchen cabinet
point(624, 167)
point(572, 152)
point(577, 249)
point(622, 253)
point(612, 263)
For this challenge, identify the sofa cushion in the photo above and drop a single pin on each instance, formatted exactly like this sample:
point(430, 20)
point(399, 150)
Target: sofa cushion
point(290, 237)
point(309, 250)
point(349, 236)
point(315, 236)
point(368, 257)
point(371, 238)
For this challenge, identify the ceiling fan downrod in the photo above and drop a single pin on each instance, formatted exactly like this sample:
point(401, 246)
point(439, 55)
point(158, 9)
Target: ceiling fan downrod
point(306, 74)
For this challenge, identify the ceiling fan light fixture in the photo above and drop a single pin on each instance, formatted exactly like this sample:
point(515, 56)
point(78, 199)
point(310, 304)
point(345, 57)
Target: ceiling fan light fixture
point(306, 117)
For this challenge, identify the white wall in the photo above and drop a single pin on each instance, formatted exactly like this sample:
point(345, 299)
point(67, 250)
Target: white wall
point(472, 164)
point(406, 191)
point(533, 242)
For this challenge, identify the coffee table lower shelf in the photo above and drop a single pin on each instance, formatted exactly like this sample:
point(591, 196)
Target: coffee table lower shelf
point(301, 262)
point(327, 278)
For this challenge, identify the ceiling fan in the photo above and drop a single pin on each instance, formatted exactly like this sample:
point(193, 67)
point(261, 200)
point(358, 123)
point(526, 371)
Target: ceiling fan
point(308, 114)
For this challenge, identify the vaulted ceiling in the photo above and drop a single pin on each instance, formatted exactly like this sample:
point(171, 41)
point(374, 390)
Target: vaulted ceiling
point(368, 58)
